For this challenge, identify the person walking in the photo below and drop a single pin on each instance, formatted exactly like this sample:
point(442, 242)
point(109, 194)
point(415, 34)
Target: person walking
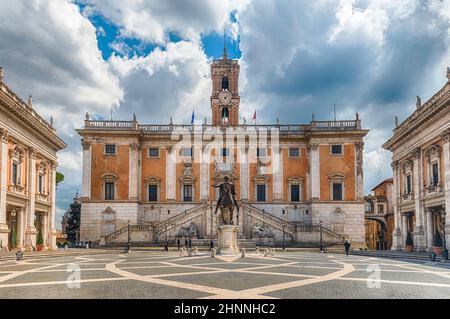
point(166, 245)
point(190, 243)
point(178, 243)
point(347, 247)
point(211, 245)
point(186, 243)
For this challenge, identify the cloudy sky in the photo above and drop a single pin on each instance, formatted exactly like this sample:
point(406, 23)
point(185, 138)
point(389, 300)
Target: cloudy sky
point(152, 58)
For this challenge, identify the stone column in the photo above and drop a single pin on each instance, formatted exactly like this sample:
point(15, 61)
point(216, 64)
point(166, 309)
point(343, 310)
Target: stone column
point(4, 229)
point(86, 175)
point(315, 171)
point(170, 174)
point(204, 177)
point(51, 219)
point(359, 148)
point(244, 178)
point(429, 228)
point(419, 233)
point(446, 156)
point(133, 178)
point(30, 234)
point(396, 234)
point(45, 229)
point(277, 164)
point(20, 220)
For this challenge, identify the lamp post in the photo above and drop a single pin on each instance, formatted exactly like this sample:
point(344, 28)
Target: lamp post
point(445, 251)
point(321, 242)
point(284, 243)
point(129, 237)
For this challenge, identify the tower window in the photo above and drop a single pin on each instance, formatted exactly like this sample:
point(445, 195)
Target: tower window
point(225, 83)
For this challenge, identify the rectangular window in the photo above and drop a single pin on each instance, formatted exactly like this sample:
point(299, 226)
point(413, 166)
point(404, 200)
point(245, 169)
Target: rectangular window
point(152, 193)
point(14, 173)
point(186, 152)
point(261, 152)
point(435, 169)
point(110, 149)
point(109, 191)
point(225, 152)
point(380, 209)
point(294, 152)
point(187, 193)
point(295, 193)
point(408, 185)
point(261, 193)
point(337, 191)
point(153, 152)
point(41, 183)
point(336, 149)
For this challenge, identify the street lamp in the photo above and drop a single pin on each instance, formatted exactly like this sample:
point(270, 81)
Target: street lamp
point(129, 237)
point(445, 251)
point(321, 242)
point(284, 243)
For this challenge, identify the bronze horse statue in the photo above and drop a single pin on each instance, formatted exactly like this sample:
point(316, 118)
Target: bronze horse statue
point(226, 202)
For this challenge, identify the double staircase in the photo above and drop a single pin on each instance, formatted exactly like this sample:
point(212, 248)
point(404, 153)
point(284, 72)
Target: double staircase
point(291, 229)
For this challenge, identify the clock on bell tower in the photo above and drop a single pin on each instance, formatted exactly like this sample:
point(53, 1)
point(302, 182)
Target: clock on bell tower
point(225, 91)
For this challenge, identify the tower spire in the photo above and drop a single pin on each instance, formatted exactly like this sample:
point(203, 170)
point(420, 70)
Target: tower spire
point(225, 54)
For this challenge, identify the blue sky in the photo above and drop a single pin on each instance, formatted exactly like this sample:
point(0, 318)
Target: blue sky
point(297, 57)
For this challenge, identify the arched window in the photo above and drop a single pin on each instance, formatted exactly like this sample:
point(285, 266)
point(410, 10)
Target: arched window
point(225, 113)
point(225, 83)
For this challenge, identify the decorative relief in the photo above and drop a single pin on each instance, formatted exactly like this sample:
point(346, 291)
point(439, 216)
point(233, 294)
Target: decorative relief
point(4, 135)
point(187, 168)
point(446, 135)
point(134, 147)
point(85, 144)
point(433, 151)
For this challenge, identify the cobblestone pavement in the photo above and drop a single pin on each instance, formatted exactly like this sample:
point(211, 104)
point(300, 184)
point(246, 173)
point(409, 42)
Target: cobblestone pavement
point(167, 275)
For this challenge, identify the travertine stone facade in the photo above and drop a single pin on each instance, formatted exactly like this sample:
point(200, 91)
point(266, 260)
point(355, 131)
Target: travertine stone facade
point(421, 170)
point(290, 178)
point(27, 173)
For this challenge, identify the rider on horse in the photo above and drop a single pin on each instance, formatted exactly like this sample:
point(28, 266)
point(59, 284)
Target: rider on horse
point(226, 187)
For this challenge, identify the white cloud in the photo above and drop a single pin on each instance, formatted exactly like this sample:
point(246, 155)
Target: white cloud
point(151, 21)
point(165, 83)
point(48, 49)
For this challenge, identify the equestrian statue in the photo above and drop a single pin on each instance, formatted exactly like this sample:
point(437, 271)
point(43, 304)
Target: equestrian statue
point(227, 201)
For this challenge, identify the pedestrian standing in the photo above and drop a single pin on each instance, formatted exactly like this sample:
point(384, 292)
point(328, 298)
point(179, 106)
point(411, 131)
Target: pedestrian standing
point(166, 245)
point(190, 243)
point(347, 247)
point(178, 243)
point(211, 245)
point(186, 243)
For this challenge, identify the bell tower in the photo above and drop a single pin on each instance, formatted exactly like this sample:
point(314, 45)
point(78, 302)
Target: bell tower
point(225, 91)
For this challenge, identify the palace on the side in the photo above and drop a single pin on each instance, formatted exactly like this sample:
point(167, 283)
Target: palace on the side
point(295, 183)
point(28, 148)
point(420, 149)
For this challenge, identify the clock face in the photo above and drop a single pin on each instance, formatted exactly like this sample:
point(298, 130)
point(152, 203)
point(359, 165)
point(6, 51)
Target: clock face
point(225, 97)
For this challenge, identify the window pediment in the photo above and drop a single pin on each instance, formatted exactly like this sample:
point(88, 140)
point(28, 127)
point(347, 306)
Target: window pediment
point(434, 151)
point(336, 177)
point(110, 176)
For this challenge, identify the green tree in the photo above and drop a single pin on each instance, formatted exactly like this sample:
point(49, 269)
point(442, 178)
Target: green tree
point(59, 178)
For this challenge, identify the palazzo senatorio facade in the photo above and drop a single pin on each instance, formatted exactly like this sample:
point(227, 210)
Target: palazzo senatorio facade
point(420, 150)
point(293, 181)
point(28, 148)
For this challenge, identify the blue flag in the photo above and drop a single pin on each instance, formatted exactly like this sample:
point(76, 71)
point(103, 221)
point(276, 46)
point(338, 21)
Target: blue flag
point(193, 117)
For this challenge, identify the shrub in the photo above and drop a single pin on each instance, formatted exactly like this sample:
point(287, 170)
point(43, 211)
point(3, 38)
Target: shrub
point(409, 240)
point(39, 240)
point(437, 240)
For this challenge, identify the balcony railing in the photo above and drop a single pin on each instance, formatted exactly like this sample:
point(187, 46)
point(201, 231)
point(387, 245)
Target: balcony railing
point(406, 197)
point(433, 189)
point(244, 128)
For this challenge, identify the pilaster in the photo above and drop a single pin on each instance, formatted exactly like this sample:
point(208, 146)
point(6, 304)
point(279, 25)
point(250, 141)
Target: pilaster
point(4, 229)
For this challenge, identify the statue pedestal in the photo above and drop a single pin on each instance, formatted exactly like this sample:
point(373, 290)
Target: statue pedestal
point(227, 239)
